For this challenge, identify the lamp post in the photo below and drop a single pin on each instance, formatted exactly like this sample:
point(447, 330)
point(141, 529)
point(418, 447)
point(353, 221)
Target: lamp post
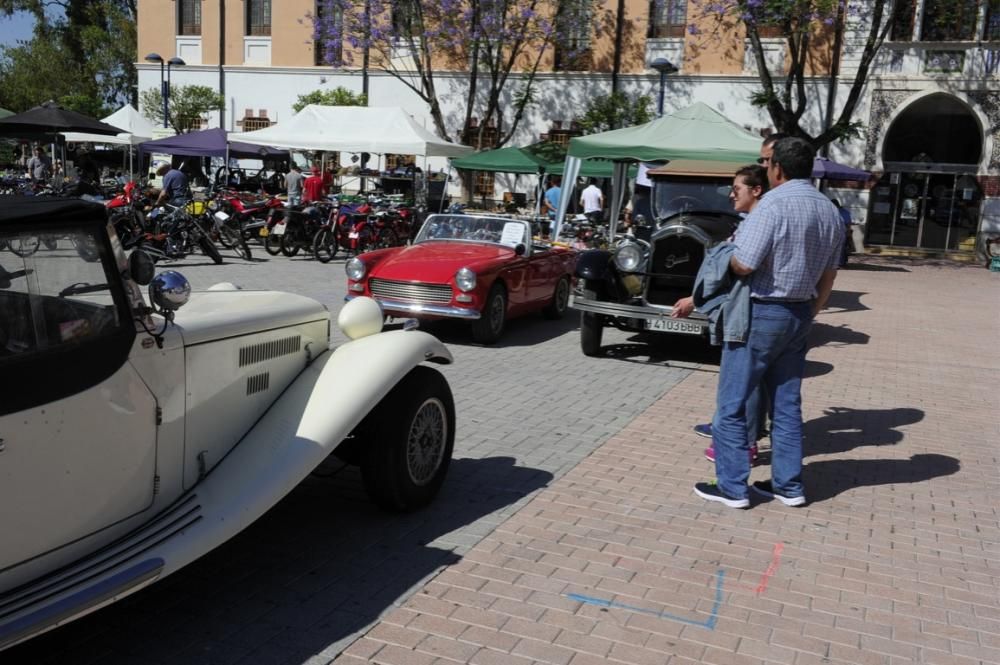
point(665, 67)
point(165, 82)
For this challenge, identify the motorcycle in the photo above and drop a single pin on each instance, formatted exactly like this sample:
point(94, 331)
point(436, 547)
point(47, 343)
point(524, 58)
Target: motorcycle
point(293, 228)
point(247, 215)
point(125, 213)
point(175, 233)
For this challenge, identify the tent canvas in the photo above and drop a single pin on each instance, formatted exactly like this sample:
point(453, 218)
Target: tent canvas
point(212, 142)
point(695, 132)
point(354, 129)
point(135, 129)
point(528, 159)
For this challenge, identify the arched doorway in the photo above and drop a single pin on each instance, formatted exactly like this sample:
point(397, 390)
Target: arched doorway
point(929, 197)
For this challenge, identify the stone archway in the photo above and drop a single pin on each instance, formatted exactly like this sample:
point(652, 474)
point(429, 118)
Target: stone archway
point(937, 128)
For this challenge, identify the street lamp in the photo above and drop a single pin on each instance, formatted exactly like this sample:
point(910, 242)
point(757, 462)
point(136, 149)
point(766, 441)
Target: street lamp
point(665, 67)
point(165, 82)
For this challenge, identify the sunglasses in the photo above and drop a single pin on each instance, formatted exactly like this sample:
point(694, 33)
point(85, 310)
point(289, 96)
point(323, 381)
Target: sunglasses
point(763, 160)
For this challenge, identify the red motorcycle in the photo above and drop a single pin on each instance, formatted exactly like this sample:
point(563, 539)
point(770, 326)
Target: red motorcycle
point(352, 228)
point(249, 215)
point(125, 212)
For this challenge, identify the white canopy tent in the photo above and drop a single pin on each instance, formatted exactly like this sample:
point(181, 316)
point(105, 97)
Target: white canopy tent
point(135, 129)
point(354, 129)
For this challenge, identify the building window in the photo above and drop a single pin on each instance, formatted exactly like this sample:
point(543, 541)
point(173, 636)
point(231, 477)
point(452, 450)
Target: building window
point(949, 20)
point(902, 21)
point(326, 48)
point(667, 18)
point(189, 17)
point(259, 18)
point(484, 184)
point(991, 29)
point(573, 29)
point(560, 135)
point(405, 21)
point(251, 123)
point(489, 137)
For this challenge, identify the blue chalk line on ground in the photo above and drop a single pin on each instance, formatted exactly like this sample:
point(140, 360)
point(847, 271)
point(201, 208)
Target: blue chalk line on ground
point(708, 623)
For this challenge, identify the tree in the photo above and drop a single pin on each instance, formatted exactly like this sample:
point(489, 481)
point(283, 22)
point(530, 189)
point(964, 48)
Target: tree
point(803, 24)
point(92, 42)
point(337, 97)
point(487, 40)
point(614, 111)
point(188, 103)
point(21, 86)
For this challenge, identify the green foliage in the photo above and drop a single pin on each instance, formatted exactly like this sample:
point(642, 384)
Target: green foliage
point(337, 97)
point(81, 56)
point(188, 103)
point(614, 112)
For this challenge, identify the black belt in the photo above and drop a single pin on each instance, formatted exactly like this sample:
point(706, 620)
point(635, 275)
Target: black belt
point(781, 301)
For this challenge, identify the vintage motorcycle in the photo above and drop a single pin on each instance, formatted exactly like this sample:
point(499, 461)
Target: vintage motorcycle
point(174, 233)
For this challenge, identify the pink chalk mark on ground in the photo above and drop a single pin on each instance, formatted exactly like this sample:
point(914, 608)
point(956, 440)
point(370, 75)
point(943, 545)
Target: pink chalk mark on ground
point(767, 574)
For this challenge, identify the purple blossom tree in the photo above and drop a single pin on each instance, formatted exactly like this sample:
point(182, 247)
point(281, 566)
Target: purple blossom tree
point(800, 24)
point(491, 42)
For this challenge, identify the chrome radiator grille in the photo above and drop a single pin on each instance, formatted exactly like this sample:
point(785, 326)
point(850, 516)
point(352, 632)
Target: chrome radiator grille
point(410, 292)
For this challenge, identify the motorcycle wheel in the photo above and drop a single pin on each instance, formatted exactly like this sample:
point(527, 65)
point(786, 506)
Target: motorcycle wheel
point(325, 246)
point(387, 238)
point(272, 244)
point(50, 243)
point(290, 244)
point(25, 245)
point(242, 250)
point(209, 249)
point(229, 237)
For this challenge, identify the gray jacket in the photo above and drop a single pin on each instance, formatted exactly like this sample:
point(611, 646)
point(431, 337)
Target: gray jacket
point(722, 296)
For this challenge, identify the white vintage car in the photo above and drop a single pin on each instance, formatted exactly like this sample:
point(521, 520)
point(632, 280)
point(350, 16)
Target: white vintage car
point(136, 438)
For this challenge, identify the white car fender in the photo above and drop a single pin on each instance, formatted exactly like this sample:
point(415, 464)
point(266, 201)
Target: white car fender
point(321, 407)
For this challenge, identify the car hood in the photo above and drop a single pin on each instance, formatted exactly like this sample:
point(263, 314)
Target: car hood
point(437, 261)
point(212, 315)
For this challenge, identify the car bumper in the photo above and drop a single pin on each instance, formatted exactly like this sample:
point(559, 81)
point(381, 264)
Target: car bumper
point(390, 306)
point(645, 317)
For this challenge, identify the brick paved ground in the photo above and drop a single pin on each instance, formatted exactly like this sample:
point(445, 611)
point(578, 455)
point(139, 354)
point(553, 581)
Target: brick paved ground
point(895, 560)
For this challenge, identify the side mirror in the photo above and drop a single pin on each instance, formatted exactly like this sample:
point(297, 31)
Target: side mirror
point(141, 267)
point(169, 291)
point(520, 249)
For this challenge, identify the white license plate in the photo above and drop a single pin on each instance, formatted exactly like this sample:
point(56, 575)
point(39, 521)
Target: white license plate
point(353, 235)
point(279, 229)
point(674, 326)
point(221, 216)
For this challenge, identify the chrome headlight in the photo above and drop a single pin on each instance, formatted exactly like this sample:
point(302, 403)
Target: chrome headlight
point(630, 257)
point(465, 279)
point(355, 268)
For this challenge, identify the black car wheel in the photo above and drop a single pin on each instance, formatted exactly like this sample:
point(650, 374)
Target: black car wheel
point(488, 328)
point(591, 332)
point(560, 300)
point(411, 436)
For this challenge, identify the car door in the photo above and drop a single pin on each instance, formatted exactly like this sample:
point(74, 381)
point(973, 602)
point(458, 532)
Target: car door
point(78, 426)
point(543, 272)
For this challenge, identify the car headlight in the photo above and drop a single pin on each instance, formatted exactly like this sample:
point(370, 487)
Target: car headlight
point(465, 279)
point(629, 257)
point(355, 268)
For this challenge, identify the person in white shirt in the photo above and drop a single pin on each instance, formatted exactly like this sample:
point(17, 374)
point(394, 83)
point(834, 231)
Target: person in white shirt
point(592, 202)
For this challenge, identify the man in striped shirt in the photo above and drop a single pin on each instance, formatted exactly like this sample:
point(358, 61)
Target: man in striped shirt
point(789, 246)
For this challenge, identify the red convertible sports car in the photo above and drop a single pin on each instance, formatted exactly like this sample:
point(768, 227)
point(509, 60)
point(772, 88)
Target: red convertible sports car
point(483, 269)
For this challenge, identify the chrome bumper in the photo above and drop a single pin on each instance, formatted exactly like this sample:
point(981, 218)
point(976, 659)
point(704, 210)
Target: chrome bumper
point(393, 307)
point(657, 318)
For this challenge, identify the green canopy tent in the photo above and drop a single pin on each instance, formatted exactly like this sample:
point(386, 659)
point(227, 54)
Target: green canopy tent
point(4, 113)
point(696, 132)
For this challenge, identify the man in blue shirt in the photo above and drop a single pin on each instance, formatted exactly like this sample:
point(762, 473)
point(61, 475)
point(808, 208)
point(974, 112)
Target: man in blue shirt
point(552, 194)
point(789, 248)
point(175, 190)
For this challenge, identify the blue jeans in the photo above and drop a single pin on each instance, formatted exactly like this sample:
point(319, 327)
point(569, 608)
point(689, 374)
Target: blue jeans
point(774, 357)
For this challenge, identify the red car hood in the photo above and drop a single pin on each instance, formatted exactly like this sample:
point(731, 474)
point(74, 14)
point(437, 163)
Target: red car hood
point(436, 262)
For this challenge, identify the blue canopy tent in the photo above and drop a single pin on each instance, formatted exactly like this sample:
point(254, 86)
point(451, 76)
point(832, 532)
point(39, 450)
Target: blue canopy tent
point(209, 143)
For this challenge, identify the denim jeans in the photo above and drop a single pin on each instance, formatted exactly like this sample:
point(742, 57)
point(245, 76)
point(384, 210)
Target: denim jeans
point(773, 357)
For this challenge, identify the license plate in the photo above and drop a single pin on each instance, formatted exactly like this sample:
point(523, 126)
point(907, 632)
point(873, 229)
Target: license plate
point(264, 232)
point(279, 229)
point(221, 216)
point(353, 235)
point(674, 326)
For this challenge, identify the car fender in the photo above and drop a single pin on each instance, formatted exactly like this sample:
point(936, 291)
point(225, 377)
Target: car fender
point(594, 264)
point(300, 429)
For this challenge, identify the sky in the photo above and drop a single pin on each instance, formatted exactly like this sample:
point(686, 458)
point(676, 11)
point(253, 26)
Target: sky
point(17, 27)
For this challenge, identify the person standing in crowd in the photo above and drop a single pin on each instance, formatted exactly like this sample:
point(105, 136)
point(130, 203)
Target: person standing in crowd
point(845, 216)
point(175, 190)
point(592, 202)
point(40, 166)
point(293, 184)
point(313, 188)
point(789, 246)
point(749, 185)
point(550, 203)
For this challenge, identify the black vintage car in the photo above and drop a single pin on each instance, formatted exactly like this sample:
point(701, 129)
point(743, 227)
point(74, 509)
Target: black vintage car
point(633, 285)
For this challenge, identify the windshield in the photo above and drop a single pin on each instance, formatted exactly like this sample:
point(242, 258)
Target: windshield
point(470, 228)
point(54, 292)
point(691, 194)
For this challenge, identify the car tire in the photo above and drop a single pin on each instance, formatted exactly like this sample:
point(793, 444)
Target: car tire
point(272, 244)
point(325, 245)
point(488, 328)
point(560, 300)
point(405, 462)
point(591, 332)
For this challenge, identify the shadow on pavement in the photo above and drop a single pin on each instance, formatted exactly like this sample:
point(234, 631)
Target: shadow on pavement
point(826, 479)
point(873, 267)
point(658, 349)
point(841, 429)
point(845, 301)
point(527, 330)
point(304, 579)
point(823, 334)
point(816, 368)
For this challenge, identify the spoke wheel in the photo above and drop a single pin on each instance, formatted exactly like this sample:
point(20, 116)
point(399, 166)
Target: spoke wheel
point(325, 245)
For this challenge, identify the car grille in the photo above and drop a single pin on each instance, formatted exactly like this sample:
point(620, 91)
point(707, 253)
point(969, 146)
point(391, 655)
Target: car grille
point(675, 264)
point(410, 291)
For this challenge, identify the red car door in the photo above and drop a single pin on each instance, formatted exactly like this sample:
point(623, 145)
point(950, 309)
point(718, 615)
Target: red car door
point(543, 271)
